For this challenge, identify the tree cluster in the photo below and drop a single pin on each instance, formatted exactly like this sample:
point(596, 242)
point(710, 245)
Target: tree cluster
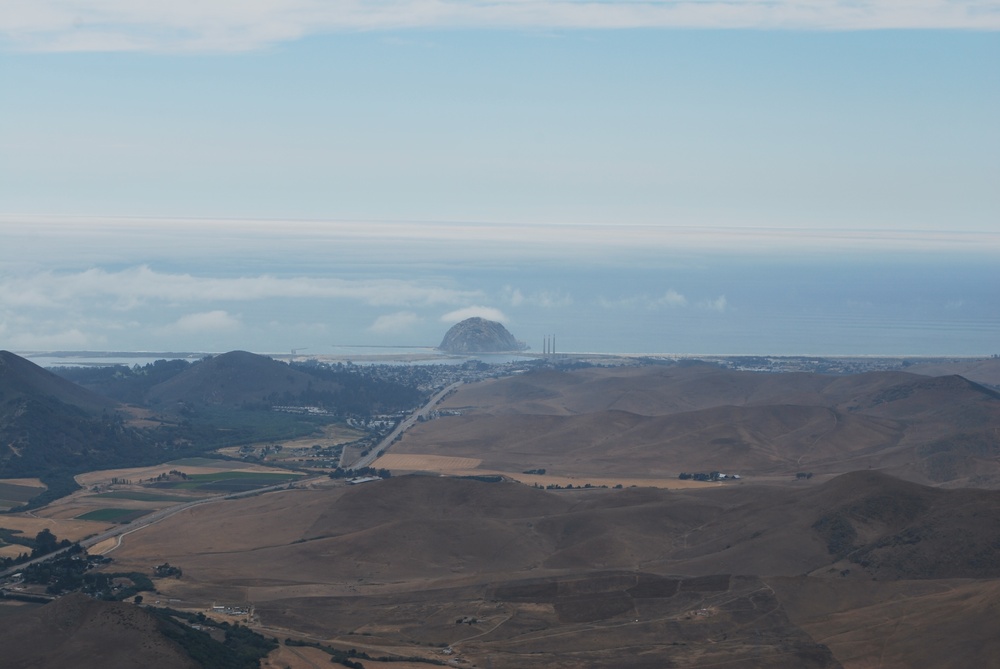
point(700, 476)
point(242, 648)
point(341, 473)
point(44, 543)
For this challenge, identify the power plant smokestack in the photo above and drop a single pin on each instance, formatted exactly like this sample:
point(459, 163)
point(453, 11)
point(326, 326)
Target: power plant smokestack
point(548, 345)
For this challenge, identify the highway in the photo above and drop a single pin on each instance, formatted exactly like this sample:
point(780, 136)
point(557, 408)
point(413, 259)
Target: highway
point(157, 516)
point(404, 425)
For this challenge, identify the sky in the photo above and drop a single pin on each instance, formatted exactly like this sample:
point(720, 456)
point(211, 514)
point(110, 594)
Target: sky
point(646, 177)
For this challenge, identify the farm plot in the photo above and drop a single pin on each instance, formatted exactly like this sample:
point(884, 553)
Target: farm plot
point(228, 482)
point(15, 492)
point(113, 515)
point(139, 496)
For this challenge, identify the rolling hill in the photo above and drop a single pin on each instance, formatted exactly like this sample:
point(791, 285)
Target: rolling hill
point(77, 631)
point(665, 420)
point(853, 567)
point(52, 428)
point(244, 381)
point(236, 378)
point(584, 578)
point(23, 380)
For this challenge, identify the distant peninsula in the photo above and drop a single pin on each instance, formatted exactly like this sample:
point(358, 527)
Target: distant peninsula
point(478, 335)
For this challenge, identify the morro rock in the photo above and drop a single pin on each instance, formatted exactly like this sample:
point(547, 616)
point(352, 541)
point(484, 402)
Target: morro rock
point(478, 335)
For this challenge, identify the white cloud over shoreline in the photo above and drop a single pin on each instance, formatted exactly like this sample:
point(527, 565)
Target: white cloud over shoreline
point(489, 313)
point(233, 25)
point(395, 323)
point(136, 286)
point(206, 321)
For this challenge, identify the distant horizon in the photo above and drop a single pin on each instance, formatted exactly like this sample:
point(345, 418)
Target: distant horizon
point(643, 178)
point(528, 353)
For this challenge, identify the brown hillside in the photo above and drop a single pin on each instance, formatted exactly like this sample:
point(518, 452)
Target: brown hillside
point(661, 390)
point(981, 370)
point(899, 624)
point(80, 632)
point(458, 528)
point(900, 530)
point(559, 574)
point(746, 440)
point(663, 420)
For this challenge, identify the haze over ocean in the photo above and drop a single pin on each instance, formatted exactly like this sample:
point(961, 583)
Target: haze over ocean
point(274, 286)
point(645, 177)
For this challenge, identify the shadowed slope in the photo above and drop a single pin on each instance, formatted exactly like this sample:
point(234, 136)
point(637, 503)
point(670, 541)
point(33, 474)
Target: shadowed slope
point(22, 379)
point(80, 632)
point(52, 428)
point(231, 379)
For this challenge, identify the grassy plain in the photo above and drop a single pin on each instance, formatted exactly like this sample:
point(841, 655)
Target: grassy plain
point(138, 474)
point(64, 528)
point(15, 492)
point(459, 466)
point(13, 550)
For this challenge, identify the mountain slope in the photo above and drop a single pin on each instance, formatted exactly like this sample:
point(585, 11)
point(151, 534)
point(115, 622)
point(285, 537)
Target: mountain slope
point(664, 420)
point(77, 631)
point(52, 428)
point(601, 578)
point(458, 528)
point(23, 379)
point(236, 378)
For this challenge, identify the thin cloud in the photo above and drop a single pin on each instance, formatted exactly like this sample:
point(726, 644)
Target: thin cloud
point(137, 286)
point(207, 321)
point(397, 323)
point(489, 313)
point(718, 304)
point(235, 25)
point(515, 297)
point(54, 340)
point(671, 298)
point(389, 243)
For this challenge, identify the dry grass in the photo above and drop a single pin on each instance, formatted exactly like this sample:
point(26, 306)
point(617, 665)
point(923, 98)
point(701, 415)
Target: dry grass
point(13, 550)
point(303, 657)
point(331, 435)
point(28, 483)
point(625, 482)
point(416, 462)
point(458, 466)
point(287, 657)
point(140, 418)
point(103, 547)
point(74, 530)
point(104, 476)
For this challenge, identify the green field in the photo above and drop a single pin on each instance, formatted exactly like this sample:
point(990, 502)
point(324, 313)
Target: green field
point(18, 494)
point(143, 496)
point(201, 462)
point(228, 481)
point(113, 515)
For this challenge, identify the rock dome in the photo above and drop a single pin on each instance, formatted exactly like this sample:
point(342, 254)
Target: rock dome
point(478, 335)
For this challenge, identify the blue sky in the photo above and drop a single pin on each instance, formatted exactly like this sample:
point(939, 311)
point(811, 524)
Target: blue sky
point(737, 177)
